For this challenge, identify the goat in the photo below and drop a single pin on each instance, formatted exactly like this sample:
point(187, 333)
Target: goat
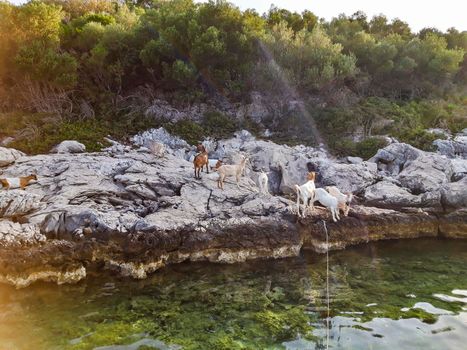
point(263, 182)
point(201, 160)
point(17, 182)
point(343, 200)
point(212, 163)
point(306, 191)
point(216, 165)
point(329, 201)
point(231, 170)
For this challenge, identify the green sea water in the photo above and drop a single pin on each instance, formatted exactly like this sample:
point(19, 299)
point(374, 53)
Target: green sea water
point(408, 294)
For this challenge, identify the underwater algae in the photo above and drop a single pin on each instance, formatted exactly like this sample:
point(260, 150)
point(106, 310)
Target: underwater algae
point(277, 304)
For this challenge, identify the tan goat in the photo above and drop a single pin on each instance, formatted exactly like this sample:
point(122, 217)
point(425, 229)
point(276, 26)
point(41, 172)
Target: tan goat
point(231, 170)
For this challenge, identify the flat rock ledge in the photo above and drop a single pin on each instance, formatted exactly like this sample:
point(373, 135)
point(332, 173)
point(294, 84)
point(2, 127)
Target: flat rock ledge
point(144, 252)
point(132, 212)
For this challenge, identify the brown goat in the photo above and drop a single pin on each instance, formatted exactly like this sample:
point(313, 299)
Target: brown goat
point(17, 182)
point(218, 164)
point(201, 160)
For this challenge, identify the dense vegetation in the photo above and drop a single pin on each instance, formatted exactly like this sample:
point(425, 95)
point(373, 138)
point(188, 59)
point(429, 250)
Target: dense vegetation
point(94, 66)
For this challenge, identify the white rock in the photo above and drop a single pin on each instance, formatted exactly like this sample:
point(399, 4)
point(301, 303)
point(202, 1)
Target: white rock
point(354, 160)
point(9, 156)
point(17, 203)
point(69, 146)
point(146, 138)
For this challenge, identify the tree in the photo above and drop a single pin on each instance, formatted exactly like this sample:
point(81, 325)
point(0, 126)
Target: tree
point(309, 59)
point(36, 69)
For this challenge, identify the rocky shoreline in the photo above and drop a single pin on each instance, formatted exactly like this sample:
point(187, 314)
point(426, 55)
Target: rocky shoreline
point(132, 212)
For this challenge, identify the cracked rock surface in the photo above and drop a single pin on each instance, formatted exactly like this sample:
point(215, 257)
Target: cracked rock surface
point(133, 212)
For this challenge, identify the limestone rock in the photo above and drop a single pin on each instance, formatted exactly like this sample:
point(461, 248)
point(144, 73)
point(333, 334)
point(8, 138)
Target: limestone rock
point(349, 177)
point(135, 212)
point(392, 158)
point(257, 110)
point(15, 234)
point(69, 146)
point(354, 160)
point(17, 203)
point(9, 156)
point(389, 194)
point(147, 138)
point(455, 194)
point(459, 168)
point(161, 109)
point(426, 173)
point(456, 147)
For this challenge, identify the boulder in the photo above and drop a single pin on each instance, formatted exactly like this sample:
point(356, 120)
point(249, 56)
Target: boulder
point(440, 132)
point(392, 158)
point(147, 138)
point(456, 147)
point(388, 194)
point(428, 172)
point(459, 168)
point(69, 146)
point(348, 177)
point(454, 194)
point(9, 156)
point(354, 160)
point(115, 147)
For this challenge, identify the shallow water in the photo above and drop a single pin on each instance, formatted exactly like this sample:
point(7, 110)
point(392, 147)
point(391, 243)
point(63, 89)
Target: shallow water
point(408, 294)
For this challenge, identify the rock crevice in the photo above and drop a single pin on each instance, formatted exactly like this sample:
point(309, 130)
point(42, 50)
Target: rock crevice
point(134, 212)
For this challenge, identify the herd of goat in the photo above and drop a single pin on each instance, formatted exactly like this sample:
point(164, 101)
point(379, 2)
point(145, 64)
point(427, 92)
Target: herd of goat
point(330, 196)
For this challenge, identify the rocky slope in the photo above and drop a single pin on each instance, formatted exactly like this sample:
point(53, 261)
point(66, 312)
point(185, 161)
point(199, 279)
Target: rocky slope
point(127, 210)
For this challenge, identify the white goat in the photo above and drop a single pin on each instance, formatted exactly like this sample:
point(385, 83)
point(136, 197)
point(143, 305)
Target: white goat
point(328, 201)
point(231, 170)
point(343, 200)
point(306, 191)
point(263, 182)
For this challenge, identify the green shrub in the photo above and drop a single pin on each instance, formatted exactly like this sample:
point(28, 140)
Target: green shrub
point(342, 147)
point(218, 125)
point(187, 130)
point(91, 133)
point(419, 138)
point(368, 148)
